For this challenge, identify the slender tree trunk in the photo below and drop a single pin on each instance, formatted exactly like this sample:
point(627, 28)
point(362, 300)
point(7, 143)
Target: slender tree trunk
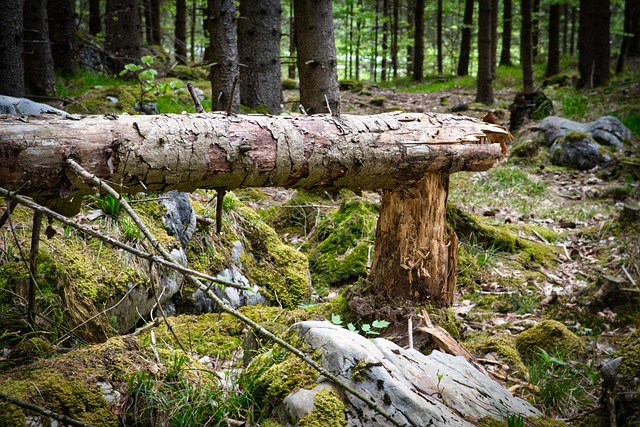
point(317, 62)
point(633, 49)
point(291, 69)
point(95, 17)
point(553, 58)
point(123, 37)
point(505, 54)
point(385, 39)
point(526, 46)
point(259, 50)
point(11, 49)
point(62, 33)
point(484, 92)
point(465, 43)
point(348, 73)
point(422, 265)
point(38, 61)
point(394, 37)
point(223, 44)
point(374, 57)
point(593, 42)
point(192, 31)
point(574, 19)
point(359, 25)
point(565, 28)
point(180, 34)
point(535, 32)
point(418, 42)
point(495, 8)
point(410, 36)
point(148, 34)
point(439, 37)
point(156, 28)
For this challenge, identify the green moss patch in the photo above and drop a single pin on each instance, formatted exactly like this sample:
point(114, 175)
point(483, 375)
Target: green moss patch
point(627, 393)
point(329, 411)
point(109, 99)
point(549, 335)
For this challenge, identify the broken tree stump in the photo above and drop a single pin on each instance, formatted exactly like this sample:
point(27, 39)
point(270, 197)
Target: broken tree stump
point(408, 155)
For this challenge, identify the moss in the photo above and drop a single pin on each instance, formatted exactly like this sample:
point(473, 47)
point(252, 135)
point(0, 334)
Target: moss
point(99, 100)
point(340, 247)
point(525, 148)
point(548, 335)
point(185, 72)
point(32, 348)
point(328, 411)
point(505, 347)
point(378, 101)
point(298, 216)
point(627, 393)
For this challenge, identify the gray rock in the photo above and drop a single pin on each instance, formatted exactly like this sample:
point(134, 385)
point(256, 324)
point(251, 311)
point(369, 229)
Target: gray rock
point(577, 151)
point(11, 105)
point(300, 403)
point(238, 297)
point(607, 130)
point(417, 390)
point(180, 218)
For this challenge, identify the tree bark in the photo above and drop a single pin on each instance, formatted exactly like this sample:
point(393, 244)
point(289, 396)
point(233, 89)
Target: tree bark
point(553, 58)
point(11, 49)
point(507, 15)
point(95, 17)
point(495, 7)
point(38, 62)
point(465, 43)
point(526, 48)
point(180, 33)
point(291, 69)
point(422, 266)
point(535, 27)
point(385, 40)
point(259, 51)
point(123, 37)
point(439, 37)
point(62, 32)
point(418, 42)
point(186, 152)
point(156, 28)
point(395, 29)
point(317, 62)
point(593, 42)
point(224, 55)
point(484, 92)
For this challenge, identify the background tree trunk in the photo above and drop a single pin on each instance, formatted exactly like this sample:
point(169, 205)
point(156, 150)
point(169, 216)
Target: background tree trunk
point(439, 37)
point(484, 92)
point(495, 8)
point(507, 13)
point(465, 42)
point(394, 37)
point(156, 26)
point(535, 28)
point(418, 42)
point(410, 36)
point(593, 42)
point(553, 58)
point(317, 62)
point(414, 257)
point(95, 17)
point(385, 40)
point(633, 12)
point(180, 34)
point(526, 48)
point(223, 47)
point(11, 49)
point(291, 69)
point(63, 34)
point(259, 51)
point(123, 36)
point(38, 62)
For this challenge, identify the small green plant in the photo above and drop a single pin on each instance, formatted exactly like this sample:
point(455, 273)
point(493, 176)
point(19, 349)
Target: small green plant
point(146, 76)
point(368, 330)
point(130, 230)
point(109, 205)
point(514, 420)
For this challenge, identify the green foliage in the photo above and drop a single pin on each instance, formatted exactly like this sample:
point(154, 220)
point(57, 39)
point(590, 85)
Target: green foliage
point(109, 205)
point(514, 420)
point(146, 77)
point(366, 329)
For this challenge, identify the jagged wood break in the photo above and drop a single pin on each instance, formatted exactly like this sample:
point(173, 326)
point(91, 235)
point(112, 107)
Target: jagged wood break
point(408, 155)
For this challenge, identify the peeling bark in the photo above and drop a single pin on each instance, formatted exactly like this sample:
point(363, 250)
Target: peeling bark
point(186, 152)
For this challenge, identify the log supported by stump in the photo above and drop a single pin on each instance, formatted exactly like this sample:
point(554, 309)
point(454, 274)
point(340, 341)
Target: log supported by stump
point(408, 155)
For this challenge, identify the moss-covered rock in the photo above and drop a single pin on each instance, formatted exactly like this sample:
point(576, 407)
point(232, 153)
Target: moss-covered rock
point(627, 390)
point(503, 346)
point(185, 72)
point(329, 411)
point(549, 335)
point(341, 245)
point(108, 99)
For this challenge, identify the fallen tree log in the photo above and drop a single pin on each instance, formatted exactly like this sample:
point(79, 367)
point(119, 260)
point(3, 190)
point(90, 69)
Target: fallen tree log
point(186, 152)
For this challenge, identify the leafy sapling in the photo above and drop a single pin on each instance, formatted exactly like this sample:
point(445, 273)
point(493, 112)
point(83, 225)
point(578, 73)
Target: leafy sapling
point(146, 76)
point(368, 330)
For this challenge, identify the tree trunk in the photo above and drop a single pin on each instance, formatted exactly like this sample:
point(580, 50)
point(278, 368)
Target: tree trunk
point(565, 28)
point(526, 48)
point(394, 37)
point(535, 28)
point(317, 62)
point(185, 152)
point(62, 32)
point(259, 51)
point(156, 27)
point(146, 12)
point(192, 32)
point(374, 57)
point(123, 36)
point(180, 34)
point(495, 7)
point(95, 17)
point(465, 43)
point(553, 58)
point(38, 62)
point(422, 266)
point(11, 49)
point(593, 43)
point(385, 39)
point(484, 92)
point(507, 13)
point(418, 42)
point(574, 18)
point(359, 25)
point(410, 36)
point(439, 37)
point(224, 55)
point(633, 49)
point(291, 68)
